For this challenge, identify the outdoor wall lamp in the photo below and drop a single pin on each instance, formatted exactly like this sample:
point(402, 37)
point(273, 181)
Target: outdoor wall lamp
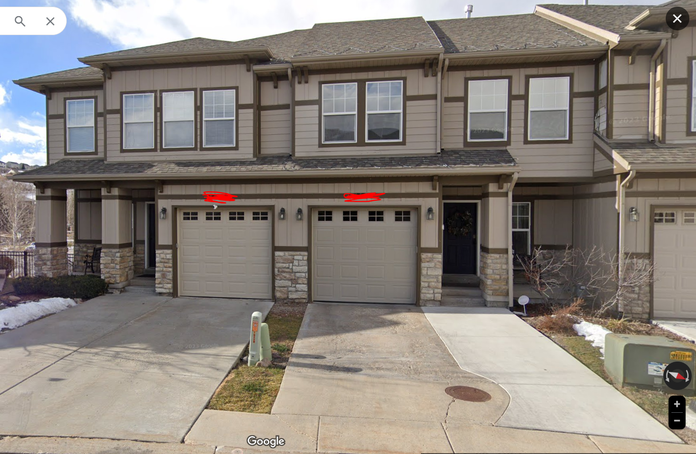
point(281, 215)
point(299, 214)
point(163, 213)
point(633, 214)
point(431, 214)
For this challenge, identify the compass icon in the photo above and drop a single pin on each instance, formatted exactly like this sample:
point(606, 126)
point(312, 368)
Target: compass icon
point(677, 376)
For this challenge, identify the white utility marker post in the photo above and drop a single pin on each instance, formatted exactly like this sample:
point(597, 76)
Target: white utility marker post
point(255, 339)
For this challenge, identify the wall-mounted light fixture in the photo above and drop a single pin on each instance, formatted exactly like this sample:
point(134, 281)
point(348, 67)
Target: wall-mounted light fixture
point(163, 213)
point(299, 214)
point(633, 214)
point(431, 214)
point(281, 215)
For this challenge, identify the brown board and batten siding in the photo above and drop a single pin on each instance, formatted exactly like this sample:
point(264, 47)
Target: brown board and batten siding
point(194, 78)
point(595, 220)
point(420, 111)
point(631, 97)
point(536, 160)
point(680, 51)
point(56, 134)
point(276, 118)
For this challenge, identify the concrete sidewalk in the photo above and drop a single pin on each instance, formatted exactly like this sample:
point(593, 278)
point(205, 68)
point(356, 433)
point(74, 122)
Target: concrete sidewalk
point(683, 328)
point(549, 389)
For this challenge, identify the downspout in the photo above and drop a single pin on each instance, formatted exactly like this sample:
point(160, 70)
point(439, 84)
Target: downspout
point(622, 196)
point(439, 104)
point(511, 273)
point(653, 82)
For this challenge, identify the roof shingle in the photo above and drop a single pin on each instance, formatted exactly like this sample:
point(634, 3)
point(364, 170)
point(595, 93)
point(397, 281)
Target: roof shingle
point(643, 153)
point(613, 18)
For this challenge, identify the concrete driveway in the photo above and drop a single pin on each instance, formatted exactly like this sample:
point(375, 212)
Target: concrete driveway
point(130, 366)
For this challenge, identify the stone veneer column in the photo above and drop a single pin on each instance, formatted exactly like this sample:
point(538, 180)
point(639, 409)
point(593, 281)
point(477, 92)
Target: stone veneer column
point(431, 279)
point(117, 265)
point(636, 304)
point(139, 259)
point(164, 279)
point(291, 277)
point(51, 254)
point(494, 279)
point(80, 250)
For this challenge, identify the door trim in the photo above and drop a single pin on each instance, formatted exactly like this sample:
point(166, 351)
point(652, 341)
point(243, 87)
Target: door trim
point(478, 230)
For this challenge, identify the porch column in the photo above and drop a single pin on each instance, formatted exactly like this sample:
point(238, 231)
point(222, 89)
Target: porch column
point(117, 245)
point(495, 226)
point(51, 254)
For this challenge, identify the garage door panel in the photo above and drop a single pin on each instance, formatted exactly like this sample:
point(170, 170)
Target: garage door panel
point(689, 264)
point(350, 272)
point(376, 291)
point(376, 254)
point(324, 291)
point(350, 253)
point(375, 271)
point(350, 291)
point(689, 241)
point(688, 283)
point(325, 271)
point(349, 236)
point(324, 253)
point(322, 235)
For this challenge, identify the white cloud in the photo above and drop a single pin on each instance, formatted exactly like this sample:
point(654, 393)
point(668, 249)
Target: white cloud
point(26, 157)
point(4, 96)
point(21, 139)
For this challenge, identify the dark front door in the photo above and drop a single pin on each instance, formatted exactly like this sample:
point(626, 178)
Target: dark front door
point(150, 235)
point(459, 236)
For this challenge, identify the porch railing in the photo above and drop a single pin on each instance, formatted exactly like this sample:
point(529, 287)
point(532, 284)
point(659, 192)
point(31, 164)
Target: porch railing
point(23, 262)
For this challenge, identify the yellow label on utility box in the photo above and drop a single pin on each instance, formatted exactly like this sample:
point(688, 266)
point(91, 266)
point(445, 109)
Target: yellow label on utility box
point(681, 356)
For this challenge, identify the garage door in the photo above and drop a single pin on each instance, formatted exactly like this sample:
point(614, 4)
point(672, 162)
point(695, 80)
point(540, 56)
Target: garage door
point(364, 255)
point(224, 253)
point(675, 264)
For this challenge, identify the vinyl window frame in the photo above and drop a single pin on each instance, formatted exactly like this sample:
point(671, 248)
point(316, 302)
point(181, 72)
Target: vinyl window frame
point(691, 107)
point(162, 121)
point(66, 141)
point(390, 111)
point(569, 110)
point(153, 93)
point(529, 228)
point(508, 118)
point(203, 120)
point(337, 114)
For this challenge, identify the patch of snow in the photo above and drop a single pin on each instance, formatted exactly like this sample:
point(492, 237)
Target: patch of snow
point(593, 333)
point(22, 314)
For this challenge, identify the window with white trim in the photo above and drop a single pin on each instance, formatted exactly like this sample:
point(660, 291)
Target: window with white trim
point(350, 216)
point(521, 228)
point(665, 217)
point(190, 215)
point(213, 216)
point(219, 109)
point(236, 216)
point(549, 108)
point(339, 113)
point(178, 110)
point(259, 216)
point(384, 111)
point(487, 110)
point(693, 96)
point(80, 125)
point(689, 218)
point(326, 215)
point(139, 121)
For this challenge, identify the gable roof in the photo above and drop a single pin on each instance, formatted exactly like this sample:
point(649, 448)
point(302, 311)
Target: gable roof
point(85, 75)
point(525, 31)
point(649, 156)
point(612, 18)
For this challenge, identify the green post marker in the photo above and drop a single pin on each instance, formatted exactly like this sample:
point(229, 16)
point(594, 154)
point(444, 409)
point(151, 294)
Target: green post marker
point(265, 343)
point(255, 339)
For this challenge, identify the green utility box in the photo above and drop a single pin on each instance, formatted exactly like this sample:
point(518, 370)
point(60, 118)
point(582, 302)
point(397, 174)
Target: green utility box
point(640, 361)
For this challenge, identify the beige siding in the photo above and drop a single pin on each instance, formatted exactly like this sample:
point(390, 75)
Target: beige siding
point(553, 222)
point(677, 119)
point(638, 233)
point(601, 163)
point(276, 132)
point(291, 232)
point(631, 109)
point(637, 73)
point(463, 193)
point(56, 126)
point(595, 220)
point(88, 216)
point(274, 96)
point(181, 78)
point(536, 160)
point(679, 50)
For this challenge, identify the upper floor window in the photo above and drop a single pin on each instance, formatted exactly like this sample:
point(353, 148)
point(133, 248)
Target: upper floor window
point(139, 121)
point(80, 125)
point(340, 113)
point(178, 119)
point(488, 110)
point(219, 110)
point(549, 108)
point(384, 111)
point(693, 96)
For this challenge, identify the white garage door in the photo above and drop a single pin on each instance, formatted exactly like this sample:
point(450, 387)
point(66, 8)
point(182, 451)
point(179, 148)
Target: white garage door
point(225, 253)
point(675, 264)
point(364, 255)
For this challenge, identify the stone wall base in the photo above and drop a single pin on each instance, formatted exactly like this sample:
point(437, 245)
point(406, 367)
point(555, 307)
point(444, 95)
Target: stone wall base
point(494, 279)
point(139, 259)
point(291, 277)
point(431, 279)
point(51, 261)
point(80, 250)
point(636, 304)
point(164, 278)
point(117, 265)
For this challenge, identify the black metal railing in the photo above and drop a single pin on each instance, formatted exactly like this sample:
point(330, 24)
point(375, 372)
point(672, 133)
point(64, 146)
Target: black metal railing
point(23, 262)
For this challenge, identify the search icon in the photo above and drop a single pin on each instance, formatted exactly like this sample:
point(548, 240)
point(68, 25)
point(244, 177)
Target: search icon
point(19, 20)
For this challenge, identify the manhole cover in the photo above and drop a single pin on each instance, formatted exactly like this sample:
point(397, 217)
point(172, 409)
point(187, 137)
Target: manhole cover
point(468, 393)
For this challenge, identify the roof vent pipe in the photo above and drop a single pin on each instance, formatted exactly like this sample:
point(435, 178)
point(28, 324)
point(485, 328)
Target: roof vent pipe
point(468, 10)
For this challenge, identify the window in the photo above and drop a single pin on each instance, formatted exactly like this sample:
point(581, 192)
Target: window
point(384, 111)
point(375, 216)
point(402, 216)
point(177, 119)
point(139, 121)
point(340, 112)
point(326, 215)
point(236, 215)
point(80, 125)
point(521, 225)
point(689, 217)
point(549, 108)
point(693, 96)
point(213, 216)
point(350, 216)
point(488, 110)
point(665, 217)
point(219, 118)
point(260, 216)
point(190, 215)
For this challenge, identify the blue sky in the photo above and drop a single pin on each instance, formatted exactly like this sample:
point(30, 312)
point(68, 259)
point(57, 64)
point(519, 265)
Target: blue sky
point(97, 26)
